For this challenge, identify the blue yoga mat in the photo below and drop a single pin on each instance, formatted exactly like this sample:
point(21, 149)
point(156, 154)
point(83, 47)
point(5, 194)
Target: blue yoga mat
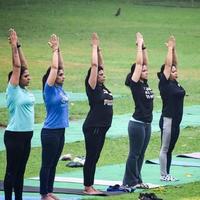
point(31, 197)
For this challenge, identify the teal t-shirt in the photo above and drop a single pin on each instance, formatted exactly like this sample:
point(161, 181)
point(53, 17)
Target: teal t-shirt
point(20, 103)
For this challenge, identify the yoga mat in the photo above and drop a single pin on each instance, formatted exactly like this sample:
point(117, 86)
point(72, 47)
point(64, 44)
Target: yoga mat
point(39, 99)
point(29, 197)
point(195, 155)
point(150, 174)
point(96, 181)
point(74, 132)
point(73, 96)
point(80, 180)
point(35, 189)
point(176, 161)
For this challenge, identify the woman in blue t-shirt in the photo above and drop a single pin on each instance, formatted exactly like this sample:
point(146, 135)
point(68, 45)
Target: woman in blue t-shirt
point(139, 127)
point(18, 134)
point(172, 95)
point(53, 131)
point(99, 117)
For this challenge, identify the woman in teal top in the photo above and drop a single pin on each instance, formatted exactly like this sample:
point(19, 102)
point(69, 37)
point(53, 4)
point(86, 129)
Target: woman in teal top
point(18, 134)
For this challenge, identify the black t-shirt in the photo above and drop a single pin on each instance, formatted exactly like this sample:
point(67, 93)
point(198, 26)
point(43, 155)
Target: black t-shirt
point(143, 98)
point(172, 95)
point(101, 107)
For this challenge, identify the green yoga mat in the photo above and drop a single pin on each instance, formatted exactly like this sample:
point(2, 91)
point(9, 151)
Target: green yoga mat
point(150, 174)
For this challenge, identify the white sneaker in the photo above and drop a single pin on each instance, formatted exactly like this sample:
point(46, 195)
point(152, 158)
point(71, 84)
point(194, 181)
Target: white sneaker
point(80, 159)
point(66, 157)
point(172, 178)
point(126, 188)
point(167, 178)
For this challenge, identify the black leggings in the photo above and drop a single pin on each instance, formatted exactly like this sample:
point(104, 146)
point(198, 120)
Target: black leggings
point(52, 146)
point(94, 141)
point(18, 146)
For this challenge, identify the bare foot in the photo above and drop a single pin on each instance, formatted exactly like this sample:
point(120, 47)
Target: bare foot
point(46, 197)
point(53, 196)
point(91, 191)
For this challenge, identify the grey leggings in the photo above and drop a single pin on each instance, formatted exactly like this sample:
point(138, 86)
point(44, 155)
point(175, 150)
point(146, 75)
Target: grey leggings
point(139, 136)
point(169, 135)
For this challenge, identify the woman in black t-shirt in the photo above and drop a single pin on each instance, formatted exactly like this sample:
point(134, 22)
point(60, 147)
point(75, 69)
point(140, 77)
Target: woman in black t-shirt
point(139, 127)
point(99, 117)
point(172, 95)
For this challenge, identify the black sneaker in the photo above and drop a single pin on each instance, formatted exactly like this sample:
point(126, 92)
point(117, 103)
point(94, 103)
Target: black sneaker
point(148, 196)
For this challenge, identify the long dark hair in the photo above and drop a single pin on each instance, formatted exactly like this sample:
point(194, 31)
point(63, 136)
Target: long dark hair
point(88, 74)
point(129, 75)
point(162, 70)
point(22, 70)
point(45, 77)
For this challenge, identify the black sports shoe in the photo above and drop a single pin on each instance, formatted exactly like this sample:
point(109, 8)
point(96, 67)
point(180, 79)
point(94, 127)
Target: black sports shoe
point(148, 196)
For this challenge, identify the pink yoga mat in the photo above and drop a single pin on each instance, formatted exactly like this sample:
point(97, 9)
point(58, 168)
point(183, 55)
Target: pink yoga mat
point(195, 155)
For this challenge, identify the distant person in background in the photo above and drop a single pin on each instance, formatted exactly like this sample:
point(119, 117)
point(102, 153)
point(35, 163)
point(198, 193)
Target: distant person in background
point(53, 131)
point(139, 127)
point(172, 95)
point(99, 117)
point(18, 134)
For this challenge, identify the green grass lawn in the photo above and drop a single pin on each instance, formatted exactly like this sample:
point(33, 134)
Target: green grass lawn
point(74, 21)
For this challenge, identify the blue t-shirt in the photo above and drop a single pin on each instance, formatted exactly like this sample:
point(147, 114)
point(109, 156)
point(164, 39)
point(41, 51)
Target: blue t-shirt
point(56, 102)
point(20, 103)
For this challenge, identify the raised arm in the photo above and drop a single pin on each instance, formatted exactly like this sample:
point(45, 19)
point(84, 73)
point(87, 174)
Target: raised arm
point(60, 59)
point(174, 57)
point(54, 44)
point(21, 55)
point(100, 57)
point(94, 62)
point(139, 58)
point(168, 60)
point(14, 80)
point(145, 55)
